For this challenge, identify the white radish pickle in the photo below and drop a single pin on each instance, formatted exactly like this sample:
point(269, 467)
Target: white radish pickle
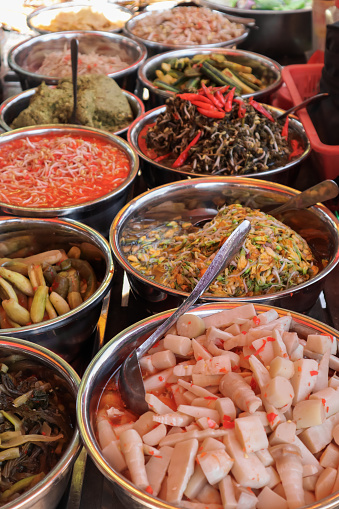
point(288, 463)
point(180, 469)
point(132, 448)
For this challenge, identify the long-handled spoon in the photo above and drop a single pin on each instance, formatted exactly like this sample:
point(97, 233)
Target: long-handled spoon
point(130, 380)
point(310, 100)
point(74, 63)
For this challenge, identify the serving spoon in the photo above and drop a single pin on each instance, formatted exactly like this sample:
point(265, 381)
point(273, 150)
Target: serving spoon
point(130, 379)
point(74, 63)
point(304, 103)
point(325, 190)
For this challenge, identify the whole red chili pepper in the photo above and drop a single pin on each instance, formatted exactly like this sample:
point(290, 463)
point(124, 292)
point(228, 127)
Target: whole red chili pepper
point(207, 106)
point(229, 100)
point(210, 96)
point(222, 90)
point(284, 132)
point(160, 158)
point(242, 107)
point(183, 156)
point(259, 107)
point(220, 97)
point(190, 97)
point(212, 113)
point(297, 149)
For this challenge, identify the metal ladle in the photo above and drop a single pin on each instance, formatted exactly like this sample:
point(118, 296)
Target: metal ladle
point(74, 63)
point(130, 380)
point(310, 100)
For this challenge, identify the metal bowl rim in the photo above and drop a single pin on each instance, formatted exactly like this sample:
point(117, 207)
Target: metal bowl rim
point(69, 128)
point(62, 6)
point(101, 291)
point(74, 446)
point(123, 214)
point(30, 92)
point(93, 369)
point(267, 62)
point(248, 12)
point(247, 23)
point(142, 121)
point(13, 52)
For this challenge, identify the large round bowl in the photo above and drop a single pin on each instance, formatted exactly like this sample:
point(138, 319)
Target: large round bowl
point(278, 33)
point(97, 213)
point(108, 361)
point(31, 53)
point(11, 108)
point(192, 200)
point(48, 492)
point(45, 15)
point(157, 174)
point(154, 48)
point(261, 65)
point(67, 334)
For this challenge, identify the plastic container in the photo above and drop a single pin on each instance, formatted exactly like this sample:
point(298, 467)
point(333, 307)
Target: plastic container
point(302, 81)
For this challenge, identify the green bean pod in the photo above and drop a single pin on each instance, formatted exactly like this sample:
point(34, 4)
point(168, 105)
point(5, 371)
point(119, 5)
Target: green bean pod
point(18, 280)
point(39, 304)
point(60, 305)
point(16, 312)
point(50, 309)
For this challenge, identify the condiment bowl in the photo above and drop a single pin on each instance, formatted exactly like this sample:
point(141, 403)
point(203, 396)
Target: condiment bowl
point(11, 108)
point(156, 173)
point(278, 34)
point(97, 213)
point(26, 57)
point(108, 361)
point(67, 334)
point(261, 65)
point(47, 493)
point(44, 16)
point(196, 199)
point(154, 48)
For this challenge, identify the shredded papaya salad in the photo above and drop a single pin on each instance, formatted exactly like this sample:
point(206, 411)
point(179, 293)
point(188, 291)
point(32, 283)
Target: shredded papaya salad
point(273, 257)
point(214, 132)
point(59, 170)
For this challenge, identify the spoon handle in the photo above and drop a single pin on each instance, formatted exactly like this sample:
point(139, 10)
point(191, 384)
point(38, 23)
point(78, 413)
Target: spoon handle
point(298, 107)
point(74, 63)
point(323, 191)
point(223, 256)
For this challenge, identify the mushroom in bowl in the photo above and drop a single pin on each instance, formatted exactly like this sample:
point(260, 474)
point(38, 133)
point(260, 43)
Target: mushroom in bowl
point(155, 235)
point(166, 74)
point(93, 189)
point(47, 57)
point(39, 438)
point(209, 403)
point(66, 270)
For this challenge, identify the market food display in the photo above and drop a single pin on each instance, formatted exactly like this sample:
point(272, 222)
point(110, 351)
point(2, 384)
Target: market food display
point(187, 25)
point(84, 19)
point(274, 5)
point(176, 253)
point(34, 430)
point(241, 409)
point(101, 104)
point(57, 170)
point(213, 132)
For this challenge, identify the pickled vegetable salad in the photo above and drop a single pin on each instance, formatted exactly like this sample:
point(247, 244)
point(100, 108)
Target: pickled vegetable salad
point(273, 257)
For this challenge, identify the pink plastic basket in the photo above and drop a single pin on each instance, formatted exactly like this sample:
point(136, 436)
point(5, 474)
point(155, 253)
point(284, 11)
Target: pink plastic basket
point(302, 82)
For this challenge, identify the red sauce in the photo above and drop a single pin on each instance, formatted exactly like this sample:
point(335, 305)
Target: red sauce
point(59, 170)
point(142, 142)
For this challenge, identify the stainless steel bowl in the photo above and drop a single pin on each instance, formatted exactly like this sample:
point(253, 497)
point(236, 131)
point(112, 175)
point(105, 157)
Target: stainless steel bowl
point(97, 213)
point(67, 334)
point(157, 174)
point(154, 48)
point(33, 51)
point(48, 492)
point(262, 66)
point(108, 361)
point(191, 200)
point(45, 15)
point(11, 108)
point(278, 33)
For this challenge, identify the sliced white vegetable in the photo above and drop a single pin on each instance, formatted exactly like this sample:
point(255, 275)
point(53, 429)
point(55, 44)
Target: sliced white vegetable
point(215, 464)
point(158, 381)
point(268, 499)
point(206, 423)
point(261, 414)
point(291, 341)
point(228, 316)
point(211, 444)
point(310, 470)
point(149, 450)
point(199, 435)
point(289, 466)
point(154, 436)
point(179, 345)
point(180, 469)
point(196, 483)
point(189, 397)
point(265, 457)
point(284, 433)
point(156, 468)
point(329, 398)
point(144, 424)
point(280, 366)
point(247, 468)
point(156, 405)
point(200, 351)
point(227, 493)
point(163, 360)
point(183, 369)
point(274, 477)
point(205, 402)
point(174, 419)
point(122, 427)
point(308, 413)
point(298, 353)
point(106, 433)
point(206, 380)
point(112, 454)
point(246, 498)
point(233, 386)
point(325, 483)
point(317, 437)
point(260, 373)
point(190, 325)
point(226, 408)
point(214, 366)
point(323, 368)
point(195, 389)
point(304, 378)
point(306, 456)
point(335, 434)
point(159, 345)
point(279, 392)
point(320, 343)
point(198, 412)
point(251, 433)
point(146, 364)
point(209, 495)
point(265, 350)
point(330, 456)
point(132, 449)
